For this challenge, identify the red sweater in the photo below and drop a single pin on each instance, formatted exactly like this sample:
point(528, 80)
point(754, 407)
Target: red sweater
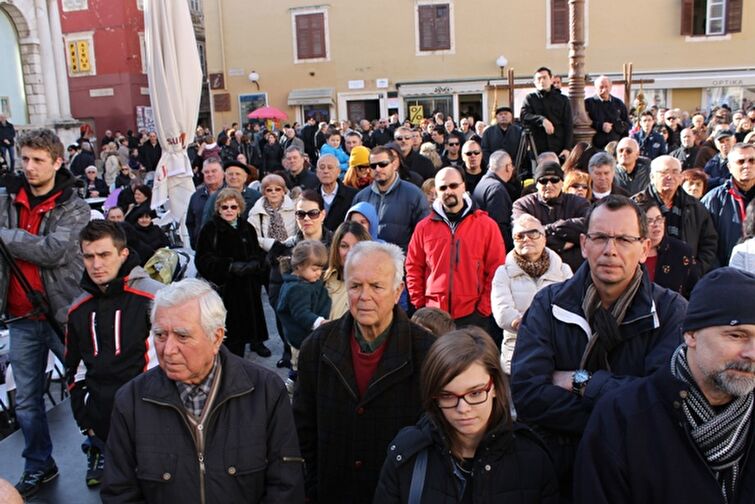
point(365, 364)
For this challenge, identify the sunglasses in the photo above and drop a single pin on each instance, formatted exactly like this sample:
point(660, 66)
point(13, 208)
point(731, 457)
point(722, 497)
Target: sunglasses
point(453, 186)
point(453, 144)
point(403, 138)
point(381, 164)
point(579, 186)
point(472, 153)
point(312, 214)
point(545, 180)
point(229, 207)
point(532, 234)
point(274, 189)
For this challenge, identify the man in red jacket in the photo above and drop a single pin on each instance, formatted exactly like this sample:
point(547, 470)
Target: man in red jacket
point(453, 254)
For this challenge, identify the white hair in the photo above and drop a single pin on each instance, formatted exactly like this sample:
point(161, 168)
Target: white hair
point(660, 162)
point(212, 312)
point(527, 221)
point(498, 159)
point(363, 248)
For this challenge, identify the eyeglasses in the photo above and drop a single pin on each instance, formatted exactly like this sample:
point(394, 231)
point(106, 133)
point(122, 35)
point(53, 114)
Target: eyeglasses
point(381, 164)
point(546, 180)
point(448, 400)
point(472, 153)
point(532, 234)
point(658, 220)
point(273, 189)
point(453, 186)
point(622, 241)
point(312, 214)
point(403, 138)
point(229, 207)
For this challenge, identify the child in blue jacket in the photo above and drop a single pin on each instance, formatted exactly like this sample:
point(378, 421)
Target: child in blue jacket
point(304, 302)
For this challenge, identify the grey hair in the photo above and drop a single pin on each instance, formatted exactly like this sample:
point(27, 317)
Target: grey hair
point(364, 248)
point(212, 160)
point(326, 157)
point(212, 312)
point(659, 163)
point(601, 78)
point(601, 159)
point(293, 148)
point(522, 220)
point(497, 159)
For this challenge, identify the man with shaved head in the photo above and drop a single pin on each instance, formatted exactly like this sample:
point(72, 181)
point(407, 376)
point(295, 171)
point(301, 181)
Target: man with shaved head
point(607, 113)
point(632, 170)
point(453, 254)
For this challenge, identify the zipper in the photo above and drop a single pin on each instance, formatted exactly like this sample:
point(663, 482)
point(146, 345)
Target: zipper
point(386, 375)
point(453, 261)
point(340, 375)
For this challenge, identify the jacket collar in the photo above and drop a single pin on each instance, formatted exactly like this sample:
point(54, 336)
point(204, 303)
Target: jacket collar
point(116, 286)
point(395, 365)
point(439, 213)
point(394, 185)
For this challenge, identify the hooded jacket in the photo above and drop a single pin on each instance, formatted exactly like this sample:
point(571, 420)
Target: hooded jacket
point(55, 249)
point(726, 204)
point(369, 212)
point(108, 342)
point(451, 266)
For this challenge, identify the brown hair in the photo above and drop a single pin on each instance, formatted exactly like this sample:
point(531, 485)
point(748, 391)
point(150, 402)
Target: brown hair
point(448, 357)
point(335, 266)
point(228, 193)
point(305, 252)
point(98, 229)
point(42, 139)
point(434, 320)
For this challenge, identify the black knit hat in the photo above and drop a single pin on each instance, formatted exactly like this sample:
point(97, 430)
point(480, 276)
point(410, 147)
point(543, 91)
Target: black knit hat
point(548, 169)
point(723, 297)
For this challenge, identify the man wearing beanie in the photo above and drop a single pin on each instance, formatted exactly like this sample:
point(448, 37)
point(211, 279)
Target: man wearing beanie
point(562, 214)
point(684, 434)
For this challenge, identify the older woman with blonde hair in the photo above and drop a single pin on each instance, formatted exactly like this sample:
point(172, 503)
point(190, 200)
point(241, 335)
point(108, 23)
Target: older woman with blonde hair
point(529, 267)
point(429, 150)
point(273, 215)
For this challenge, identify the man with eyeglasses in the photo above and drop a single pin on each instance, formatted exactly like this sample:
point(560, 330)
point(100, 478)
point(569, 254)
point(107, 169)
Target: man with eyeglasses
point(651, 143)
point(632, 170)
point(453, 255)
point(505, 136)
point(686, 218)
point(414, 161)
point(717, 168)
point(562, 214)
point(336, 196)
point(547, 113)
point(452, 152)
point(600, 330)
point(471, 154)
point(400, 204)
point(727, 203)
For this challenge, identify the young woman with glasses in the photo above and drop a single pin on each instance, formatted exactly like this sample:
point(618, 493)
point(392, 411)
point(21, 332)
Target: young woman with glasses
point(466, 448)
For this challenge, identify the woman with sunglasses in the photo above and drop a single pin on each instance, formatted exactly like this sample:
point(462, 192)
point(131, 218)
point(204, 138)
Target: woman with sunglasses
point(359, 174)
point(578, 182)
point(529, 267)
point(466, 448)
point(229, 255)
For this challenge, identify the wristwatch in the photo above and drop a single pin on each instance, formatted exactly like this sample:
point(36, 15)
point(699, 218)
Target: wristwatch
point(579, 380)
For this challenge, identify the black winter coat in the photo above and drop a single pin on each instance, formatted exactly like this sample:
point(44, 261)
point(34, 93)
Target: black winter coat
point(511, 466)
point(219, 245)
point(637, 448)
point(676, 267)
point(340, 205)
point(343, 436)
point(555, 107)
point(251, 451)
point(150, 239)
point(494, 138)
point(272, 154)
point(611, 111)
point(492, 195)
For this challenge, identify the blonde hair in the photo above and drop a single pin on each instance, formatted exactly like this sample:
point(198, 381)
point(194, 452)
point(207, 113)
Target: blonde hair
point(305, 252)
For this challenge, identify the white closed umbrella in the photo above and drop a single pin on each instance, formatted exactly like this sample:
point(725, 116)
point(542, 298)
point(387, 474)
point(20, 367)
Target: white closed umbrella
point(175, 88)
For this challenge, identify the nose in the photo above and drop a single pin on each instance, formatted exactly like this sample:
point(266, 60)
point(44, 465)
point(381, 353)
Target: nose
point(463, 406)
point(171, 346)
point(748, 350)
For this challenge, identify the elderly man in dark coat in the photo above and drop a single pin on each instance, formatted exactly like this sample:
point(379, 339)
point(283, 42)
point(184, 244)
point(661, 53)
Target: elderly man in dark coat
point(684, 434)
point(359, 380)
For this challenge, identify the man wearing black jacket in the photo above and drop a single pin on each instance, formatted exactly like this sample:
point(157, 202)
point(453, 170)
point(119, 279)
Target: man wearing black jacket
point(547, 113)
point(108, 333)
point(414, 161)
point(608, 114)
point(336, 196)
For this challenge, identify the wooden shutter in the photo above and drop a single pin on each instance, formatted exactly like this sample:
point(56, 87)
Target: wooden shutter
point(733, 16)
point(434, 27)
point(559, 21)
point(310, 36)
point(688, 17)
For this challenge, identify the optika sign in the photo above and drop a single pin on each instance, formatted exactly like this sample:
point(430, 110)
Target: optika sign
point(727, 82)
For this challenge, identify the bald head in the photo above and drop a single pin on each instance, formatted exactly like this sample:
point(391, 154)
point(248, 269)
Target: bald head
point(627, 152)
point(449, 187)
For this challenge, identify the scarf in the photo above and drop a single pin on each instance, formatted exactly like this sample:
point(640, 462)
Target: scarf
point(721, 436)
point(276, 230)
point(536, 268)
point(605, 324)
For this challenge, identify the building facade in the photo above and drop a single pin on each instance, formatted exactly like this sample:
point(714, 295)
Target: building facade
point(353, 59)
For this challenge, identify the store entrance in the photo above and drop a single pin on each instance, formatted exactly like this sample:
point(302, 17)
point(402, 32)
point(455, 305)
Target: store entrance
point(357, 110)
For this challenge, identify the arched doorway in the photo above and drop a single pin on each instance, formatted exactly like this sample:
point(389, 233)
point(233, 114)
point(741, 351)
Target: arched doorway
point(12, 90)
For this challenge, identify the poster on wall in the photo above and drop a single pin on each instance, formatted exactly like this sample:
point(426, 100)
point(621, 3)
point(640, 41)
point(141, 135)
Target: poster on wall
point(249, 103)
point(145, 118)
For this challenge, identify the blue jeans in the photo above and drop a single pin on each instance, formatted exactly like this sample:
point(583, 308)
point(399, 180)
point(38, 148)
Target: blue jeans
point(30, 341)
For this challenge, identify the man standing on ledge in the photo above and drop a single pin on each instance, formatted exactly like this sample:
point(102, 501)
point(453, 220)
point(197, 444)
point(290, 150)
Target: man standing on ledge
point(547, 113)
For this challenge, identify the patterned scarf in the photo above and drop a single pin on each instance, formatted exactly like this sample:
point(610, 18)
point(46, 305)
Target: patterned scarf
point(606, 334)
point(276, 230)
point(536, 268)
point(721, 436)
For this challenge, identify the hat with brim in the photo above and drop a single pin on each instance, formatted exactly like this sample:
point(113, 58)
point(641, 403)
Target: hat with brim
point(237, 164)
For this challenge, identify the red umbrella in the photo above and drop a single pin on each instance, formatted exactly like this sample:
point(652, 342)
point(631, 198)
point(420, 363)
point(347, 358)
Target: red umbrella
point(267, 112)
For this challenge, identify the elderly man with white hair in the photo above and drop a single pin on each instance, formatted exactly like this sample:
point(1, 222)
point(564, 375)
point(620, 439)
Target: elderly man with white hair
point(607, 113)
point(204, 426)
point(359, 380)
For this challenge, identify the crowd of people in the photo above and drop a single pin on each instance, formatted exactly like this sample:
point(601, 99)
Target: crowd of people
point(460, 323)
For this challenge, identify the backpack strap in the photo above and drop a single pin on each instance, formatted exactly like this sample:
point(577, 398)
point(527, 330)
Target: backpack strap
point(418, 477)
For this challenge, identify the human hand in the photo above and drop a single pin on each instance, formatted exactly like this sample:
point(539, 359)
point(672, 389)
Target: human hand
point(562, 379)
point(94, 194)
point(564, 154)
point(516, 323)
point(549, 128)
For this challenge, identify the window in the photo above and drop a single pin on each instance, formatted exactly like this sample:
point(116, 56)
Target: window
point(5, 106)
point(74, 5)
point(434, 27)
point(310, 35)
point(80, 54)
point(559, 17)
point(140, 5)
point(711, 17)
point(202, 61)
point(195, 5)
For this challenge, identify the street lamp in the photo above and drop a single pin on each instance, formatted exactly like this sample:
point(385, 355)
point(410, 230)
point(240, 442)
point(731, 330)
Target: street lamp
point(254, 77)
point(501, 61)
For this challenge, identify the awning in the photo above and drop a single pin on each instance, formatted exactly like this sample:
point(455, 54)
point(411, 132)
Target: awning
point(312, 96)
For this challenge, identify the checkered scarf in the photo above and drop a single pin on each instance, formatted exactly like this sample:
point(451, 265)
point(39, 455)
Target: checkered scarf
point(721, 436)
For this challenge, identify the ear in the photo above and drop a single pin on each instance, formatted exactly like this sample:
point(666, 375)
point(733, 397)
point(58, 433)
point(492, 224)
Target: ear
point(582, 241)
point(58, 163)
point(218, 339)
point(124, 253)
point(397, 295)
point(645, 250)
point(690, 338)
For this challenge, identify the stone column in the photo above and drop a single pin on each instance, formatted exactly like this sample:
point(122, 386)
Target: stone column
point(47, 60)
point(61, 67)
point(31, 66)
point(583, 131)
